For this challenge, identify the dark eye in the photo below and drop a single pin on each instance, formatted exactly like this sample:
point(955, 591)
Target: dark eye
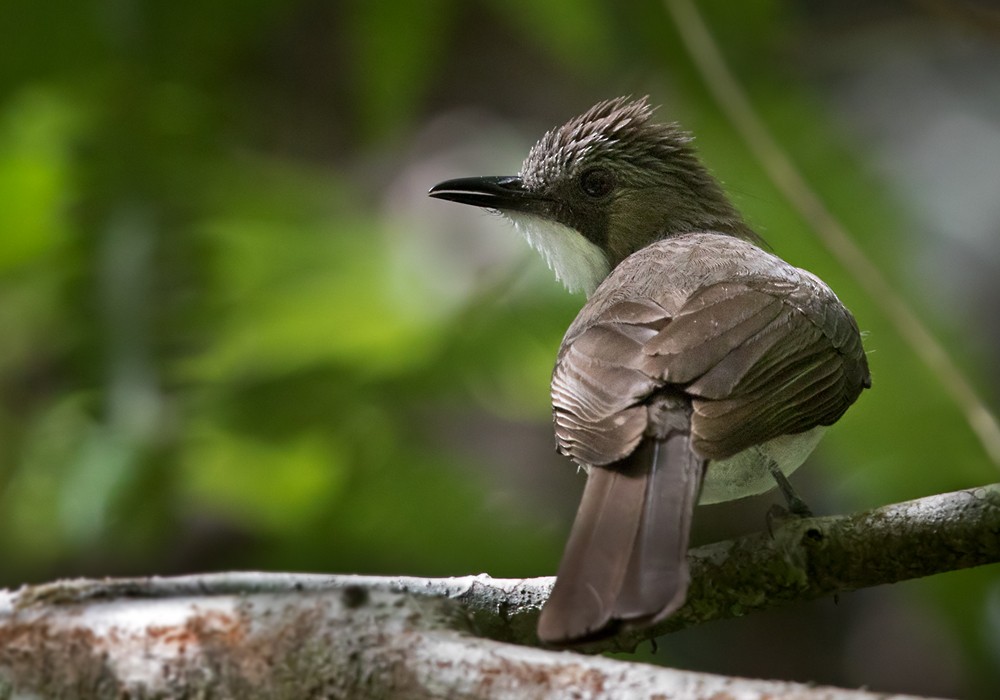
point(597, 182)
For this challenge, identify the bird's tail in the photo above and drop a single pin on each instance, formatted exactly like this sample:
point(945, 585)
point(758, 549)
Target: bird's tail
point(626, 559)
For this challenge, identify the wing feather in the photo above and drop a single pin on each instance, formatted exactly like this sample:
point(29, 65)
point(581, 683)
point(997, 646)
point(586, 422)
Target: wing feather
point(761, 349)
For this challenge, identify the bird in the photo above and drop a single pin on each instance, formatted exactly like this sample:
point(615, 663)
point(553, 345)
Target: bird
point(702, 367)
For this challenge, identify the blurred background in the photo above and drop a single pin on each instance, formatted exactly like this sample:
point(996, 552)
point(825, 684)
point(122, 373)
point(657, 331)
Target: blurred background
point(236, 334)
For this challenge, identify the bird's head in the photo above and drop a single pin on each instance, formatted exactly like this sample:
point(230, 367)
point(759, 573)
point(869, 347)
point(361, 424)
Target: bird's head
point(602, 186)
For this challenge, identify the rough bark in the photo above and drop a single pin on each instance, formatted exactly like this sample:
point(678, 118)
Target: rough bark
point(250, 635)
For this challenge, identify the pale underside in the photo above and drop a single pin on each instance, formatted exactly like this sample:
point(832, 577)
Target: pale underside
point(748, 472)
point(577, 263)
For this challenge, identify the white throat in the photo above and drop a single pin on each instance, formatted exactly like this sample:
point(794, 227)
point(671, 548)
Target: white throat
point(579, 264)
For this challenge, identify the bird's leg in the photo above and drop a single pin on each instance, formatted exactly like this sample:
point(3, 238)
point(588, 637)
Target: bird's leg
point(796, 506)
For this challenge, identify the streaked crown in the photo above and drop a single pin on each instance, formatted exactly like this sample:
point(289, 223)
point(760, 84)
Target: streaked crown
point(620, 130)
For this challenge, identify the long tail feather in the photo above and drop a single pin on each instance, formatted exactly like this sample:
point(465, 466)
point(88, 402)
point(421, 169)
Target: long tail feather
point(656, 582)
point(626, 558)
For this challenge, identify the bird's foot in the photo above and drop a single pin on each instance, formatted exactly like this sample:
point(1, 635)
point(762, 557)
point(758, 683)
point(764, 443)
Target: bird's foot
point(796, 507)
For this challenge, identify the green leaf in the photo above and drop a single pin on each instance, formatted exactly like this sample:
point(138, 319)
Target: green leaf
point(36, 129)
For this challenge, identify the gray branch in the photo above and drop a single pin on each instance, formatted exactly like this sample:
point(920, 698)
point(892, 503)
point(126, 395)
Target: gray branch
point(252, 635)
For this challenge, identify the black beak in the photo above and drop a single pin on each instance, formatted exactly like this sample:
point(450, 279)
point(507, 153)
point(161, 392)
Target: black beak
point(502, 193)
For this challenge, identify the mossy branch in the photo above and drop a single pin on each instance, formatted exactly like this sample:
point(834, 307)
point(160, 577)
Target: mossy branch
point(254, 635)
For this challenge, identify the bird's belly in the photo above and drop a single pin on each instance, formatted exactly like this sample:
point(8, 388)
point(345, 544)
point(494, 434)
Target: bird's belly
point(747, 473)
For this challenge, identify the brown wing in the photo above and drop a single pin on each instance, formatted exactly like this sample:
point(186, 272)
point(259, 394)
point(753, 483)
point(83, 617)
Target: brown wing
point(762, 358)
point(760, 355)
point(600, 382)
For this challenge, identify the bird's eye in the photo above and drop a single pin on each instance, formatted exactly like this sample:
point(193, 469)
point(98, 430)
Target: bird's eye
point(597, 182)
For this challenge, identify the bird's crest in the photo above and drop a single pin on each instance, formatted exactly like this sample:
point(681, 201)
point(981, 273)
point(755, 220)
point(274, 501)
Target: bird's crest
point(621, 127)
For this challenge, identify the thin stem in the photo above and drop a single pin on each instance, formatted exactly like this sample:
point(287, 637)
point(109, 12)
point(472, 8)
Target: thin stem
point(735, 103)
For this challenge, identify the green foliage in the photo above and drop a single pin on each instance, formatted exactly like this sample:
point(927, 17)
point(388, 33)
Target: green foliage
point(34, 177)
point(394, 49)
point(576, 33)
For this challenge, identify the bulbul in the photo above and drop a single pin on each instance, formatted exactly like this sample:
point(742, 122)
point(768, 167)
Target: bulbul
point(702, 367)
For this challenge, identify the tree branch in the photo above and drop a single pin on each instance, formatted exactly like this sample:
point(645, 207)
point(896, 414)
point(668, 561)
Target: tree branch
point(264, 635)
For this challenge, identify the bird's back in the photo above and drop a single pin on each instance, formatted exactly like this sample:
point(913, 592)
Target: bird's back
point(760, 348)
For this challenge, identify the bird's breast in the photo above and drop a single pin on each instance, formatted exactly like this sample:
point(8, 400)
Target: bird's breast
point(579, 264)
point(748, 473)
